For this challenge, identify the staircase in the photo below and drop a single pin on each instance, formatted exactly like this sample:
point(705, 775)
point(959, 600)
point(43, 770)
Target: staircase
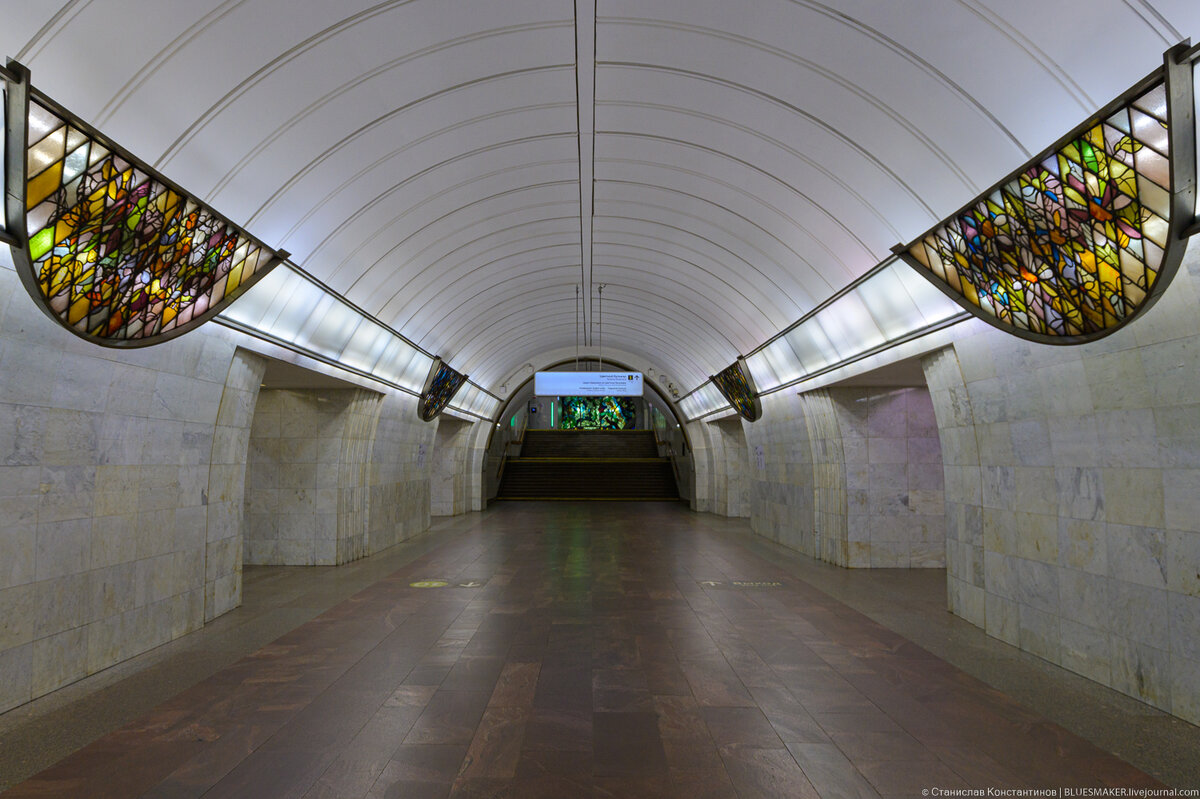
point(592, 464)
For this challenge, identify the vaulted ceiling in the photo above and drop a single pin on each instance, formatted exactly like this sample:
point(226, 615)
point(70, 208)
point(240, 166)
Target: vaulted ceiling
point(460, 169)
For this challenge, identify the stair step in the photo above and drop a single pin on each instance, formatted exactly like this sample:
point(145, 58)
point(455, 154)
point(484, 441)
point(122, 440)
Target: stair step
point(557, 464)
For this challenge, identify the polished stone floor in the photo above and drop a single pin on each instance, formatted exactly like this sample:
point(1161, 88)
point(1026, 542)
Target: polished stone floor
point(586, 649)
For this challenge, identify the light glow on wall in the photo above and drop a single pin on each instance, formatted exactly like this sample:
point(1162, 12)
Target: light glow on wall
point(890, 304)
point(290, 308)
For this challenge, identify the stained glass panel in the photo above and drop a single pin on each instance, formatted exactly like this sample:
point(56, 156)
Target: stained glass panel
point(1072, 246)
point(118, 255)
point(598, 413)
point(734, 383)
point(441, 389)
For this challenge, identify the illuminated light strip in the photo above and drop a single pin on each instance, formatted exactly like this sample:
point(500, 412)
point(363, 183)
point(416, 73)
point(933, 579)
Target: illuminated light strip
point(293, 309)
point(887, 306)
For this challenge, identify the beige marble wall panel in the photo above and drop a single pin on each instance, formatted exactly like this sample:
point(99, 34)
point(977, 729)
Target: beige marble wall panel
point(108, 495)
point(449, 487)
point(781, 476)
point(1071, 495)
point(309, 476)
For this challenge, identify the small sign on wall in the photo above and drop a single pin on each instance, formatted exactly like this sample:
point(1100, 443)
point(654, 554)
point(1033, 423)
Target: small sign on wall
point(420, 456)
point(760, 458)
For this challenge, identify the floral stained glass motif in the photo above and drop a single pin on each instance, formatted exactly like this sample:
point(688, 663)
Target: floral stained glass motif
point(119, 256)
point(441, 389)
point(1071, 247)
point(734, 383)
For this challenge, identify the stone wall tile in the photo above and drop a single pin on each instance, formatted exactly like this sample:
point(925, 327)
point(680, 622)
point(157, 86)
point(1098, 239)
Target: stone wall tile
point(1183, 562)
point(1085, 650)
point(1184, 698)
point(1184, 613)
point(1141, 671)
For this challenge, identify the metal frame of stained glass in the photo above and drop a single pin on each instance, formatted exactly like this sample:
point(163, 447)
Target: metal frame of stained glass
point(736, 384)
point(1088, 234)
point(106, 246)
point(440, 387)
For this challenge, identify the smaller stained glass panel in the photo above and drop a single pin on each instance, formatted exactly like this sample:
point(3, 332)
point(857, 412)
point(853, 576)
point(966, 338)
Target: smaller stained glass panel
point(445, 384)
point(118, 255)
point(734, 383)
point(1072, 246)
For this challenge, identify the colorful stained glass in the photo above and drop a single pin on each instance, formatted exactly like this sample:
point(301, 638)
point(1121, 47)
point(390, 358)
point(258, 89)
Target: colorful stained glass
point(1072, 247)
point(119, 256)
point(598, 413)
point(734, 383)
point(440, 389)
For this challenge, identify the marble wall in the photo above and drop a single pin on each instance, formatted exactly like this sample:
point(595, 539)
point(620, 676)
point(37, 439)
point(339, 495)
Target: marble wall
point(307, 480)
point(782, 506)
point(450, 486)
point(122, 489)
point(895, 503)
point(118, 484)
point(227, 484)
point(852, 476)
point(1072, 478)
point(829, 512)
point(398, 475)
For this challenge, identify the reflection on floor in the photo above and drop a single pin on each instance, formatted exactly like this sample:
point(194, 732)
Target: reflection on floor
point(586, 649)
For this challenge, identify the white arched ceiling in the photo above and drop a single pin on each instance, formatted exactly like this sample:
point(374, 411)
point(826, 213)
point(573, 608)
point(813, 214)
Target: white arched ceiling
point(740, 161)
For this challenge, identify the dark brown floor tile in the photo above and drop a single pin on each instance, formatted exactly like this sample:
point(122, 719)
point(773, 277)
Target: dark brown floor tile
point(564, 687)
point(765, 773)
point(424, 763)
point(473, 674)
point(549, 762)
point(866, 721)
point(427, 675)
point(627, 745)
point(881, 746)
point(483, 788)
point(496, 747)
point(789, 718)
point(569, 730)
point(450, 717)
point(976, 768)
point(897, 777)
point(713, 683)
point(554, 787)
point(700, 783)
point(830, 772)
point(690, 753)
point(516, 685)
point(744, 726)
point(403, 789)
point(622, 787)
point(679, 718)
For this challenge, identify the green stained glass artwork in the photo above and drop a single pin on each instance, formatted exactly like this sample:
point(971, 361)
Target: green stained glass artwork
point(598, 413)
point(1073, 245)
point(118, 255)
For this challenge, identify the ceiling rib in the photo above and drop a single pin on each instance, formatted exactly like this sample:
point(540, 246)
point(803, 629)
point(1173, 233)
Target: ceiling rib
point(585, 91)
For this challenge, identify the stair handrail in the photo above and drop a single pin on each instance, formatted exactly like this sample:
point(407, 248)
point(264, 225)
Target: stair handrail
point(520, 439)
point(671, 455)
